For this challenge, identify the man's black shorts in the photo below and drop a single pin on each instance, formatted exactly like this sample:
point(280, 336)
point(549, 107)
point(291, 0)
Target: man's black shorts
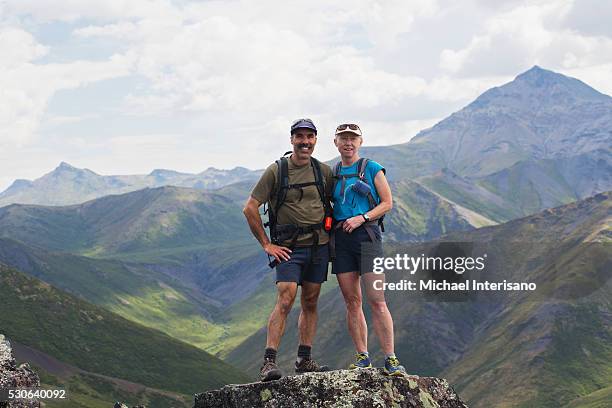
point(355, 252)
point(300, 267)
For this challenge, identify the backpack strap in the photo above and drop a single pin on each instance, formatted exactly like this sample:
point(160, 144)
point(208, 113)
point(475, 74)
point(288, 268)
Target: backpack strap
point(362, 163)
point(335, 173)
point(283, 182)
point(281, 195)
point(320, 183)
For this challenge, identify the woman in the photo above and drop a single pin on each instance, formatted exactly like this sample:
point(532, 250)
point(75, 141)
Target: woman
point(361, 197)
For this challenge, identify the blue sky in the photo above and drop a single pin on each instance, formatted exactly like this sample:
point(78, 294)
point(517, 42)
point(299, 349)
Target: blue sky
point(124, 87)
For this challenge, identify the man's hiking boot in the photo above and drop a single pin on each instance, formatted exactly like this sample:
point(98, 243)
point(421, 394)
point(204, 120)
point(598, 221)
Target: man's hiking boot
point(393, 367)
point(361, 361)
point(308, 365)
point(269, 371)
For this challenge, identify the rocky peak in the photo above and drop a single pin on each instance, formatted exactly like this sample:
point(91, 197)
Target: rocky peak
point(164, 173)
point(541, 87)
point(65, 169)
point(13, 376)
point(364, 388)
point(65, 166)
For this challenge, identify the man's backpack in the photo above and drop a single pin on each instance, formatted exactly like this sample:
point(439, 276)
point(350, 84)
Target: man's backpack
point(280, 233)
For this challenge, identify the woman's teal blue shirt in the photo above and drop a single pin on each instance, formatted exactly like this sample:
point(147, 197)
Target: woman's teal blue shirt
point(351, 203)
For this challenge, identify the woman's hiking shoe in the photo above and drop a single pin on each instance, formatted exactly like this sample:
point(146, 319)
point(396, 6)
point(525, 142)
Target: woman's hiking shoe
point(269, 371)
point(361, 361)
point(393, 367)
point(308, 365)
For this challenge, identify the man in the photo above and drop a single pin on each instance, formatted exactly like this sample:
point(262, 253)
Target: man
point(298, 204)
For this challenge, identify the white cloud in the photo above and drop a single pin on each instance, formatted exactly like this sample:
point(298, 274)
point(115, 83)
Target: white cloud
point(530, 34)
point(447, 88)
point(18, 47)
point(26, 87)
point(590, 17)
point(224, 63)
point(73, 10)
point(241, 71)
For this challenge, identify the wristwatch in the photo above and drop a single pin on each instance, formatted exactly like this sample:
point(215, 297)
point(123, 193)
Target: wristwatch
point(366, 217)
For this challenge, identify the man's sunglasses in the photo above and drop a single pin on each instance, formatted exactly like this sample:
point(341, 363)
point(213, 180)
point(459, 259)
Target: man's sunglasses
point(347, 126)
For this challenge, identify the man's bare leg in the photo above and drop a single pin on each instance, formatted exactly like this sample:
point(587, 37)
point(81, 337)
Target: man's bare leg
point(307, 322)
point(278, 317)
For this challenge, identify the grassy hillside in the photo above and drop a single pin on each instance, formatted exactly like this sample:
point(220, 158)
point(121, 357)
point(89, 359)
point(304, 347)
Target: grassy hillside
point(149, 219)
point(144, 296)
point(554, 347)
point(168, 258)
point(597, 399)
point(89, 390)
point(420, 215)
point(89, 337)
point(176, 259)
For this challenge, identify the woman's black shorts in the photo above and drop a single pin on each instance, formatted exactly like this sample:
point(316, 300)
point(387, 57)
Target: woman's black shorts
point(355, 252)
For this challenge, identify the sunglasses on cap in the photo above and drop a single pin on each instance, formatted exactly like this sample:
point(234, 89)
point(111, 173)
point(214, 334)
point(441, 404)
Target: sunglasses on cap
point(345, 126)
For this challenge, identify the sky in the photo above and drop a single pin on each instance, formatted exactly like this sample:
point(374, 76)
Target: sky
point(128, 86)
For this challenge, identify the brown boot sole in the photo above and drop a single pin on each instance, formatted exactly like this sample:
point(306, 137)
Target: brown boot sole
point(272, 375)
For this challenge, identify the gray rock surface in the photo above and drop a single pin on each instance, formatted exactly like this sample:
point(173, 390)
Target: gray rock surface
point(13, 376)
point(341, 388)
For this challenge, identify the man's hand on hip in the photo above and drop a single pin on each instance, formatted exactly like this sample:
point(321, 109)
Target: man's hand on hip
point(279, 253)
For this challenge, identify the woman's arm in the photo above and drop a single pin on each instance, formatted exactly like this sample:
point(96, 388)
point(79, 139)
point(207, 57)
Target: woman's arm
point(385, 205)
point(384, 192)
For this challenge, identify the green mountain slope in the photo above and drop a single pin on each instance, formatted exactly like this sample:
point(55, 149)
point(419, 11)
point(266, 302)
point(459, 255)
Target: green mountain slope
point(142, 295)
point(90, 390)
point(554, 348)
point(597, 399)
point(419, 214)
point(197, 237)
point(188, 281)
point(165, 217)
point(36, 314)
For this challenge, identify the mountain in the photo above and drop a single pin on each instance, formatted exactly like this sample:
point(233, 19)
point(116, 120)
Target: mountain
point(169, 258)
point(85, 389)
point(91, 338)
point(537, 142)
point(554, 345)
point(67, 185)
point(177, 259)
point(164, 217)
point(134, 292)
point(200, 237)
point(539, 115)
point(196, 236)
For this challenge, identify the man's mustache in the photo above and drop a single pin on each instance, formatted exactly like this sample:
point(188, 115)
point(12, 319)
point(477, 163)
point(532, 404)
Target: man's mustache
point(301, 145)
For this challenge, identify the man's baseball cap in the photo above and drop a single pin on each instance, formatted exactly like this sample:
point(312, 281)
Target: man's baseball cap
point(348, 127)
point(303, 124)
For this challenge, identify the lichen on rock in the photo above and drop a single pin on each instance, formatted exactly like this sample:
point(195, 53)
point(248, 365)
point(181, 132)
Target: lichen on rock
point(367, 388)
point(13, 376)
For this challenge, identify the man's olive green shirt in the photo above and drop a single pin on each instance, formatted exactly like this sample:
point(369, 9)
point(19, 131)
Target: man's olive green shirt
point(297, 209)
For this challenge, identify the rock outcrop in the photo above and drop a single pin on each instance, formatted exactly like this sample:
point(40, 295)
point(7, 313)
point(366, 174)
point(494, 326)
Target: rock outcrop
point(13, 376)
point(367, 388)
